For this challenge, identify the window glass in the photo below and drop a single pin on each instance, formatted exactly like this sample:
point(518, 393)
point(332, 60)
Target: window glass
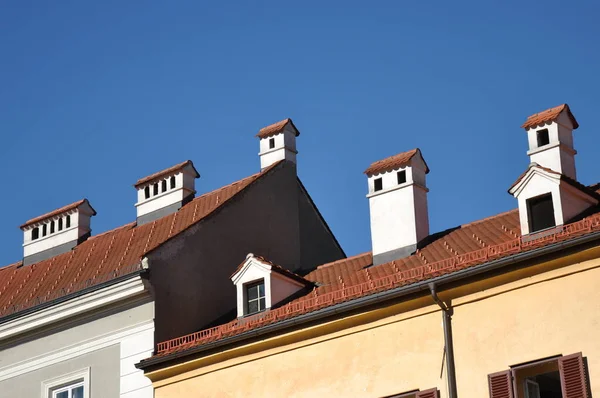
point(78, 392)
point(255, 297)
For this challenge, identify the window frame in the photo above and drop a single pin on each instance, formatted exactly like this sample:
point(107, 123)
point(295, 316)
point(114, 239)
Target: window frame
point(58, 384)
point(247, 287)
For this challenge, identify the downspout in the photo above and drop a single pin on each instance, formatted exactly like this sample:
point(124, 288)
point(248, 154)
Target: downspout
point(448, 343)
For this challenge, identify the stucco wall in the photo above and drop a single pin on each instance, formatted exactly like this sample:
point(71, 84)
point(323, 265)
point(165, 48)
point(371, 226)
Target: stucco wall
point(109, 342)
point(522, 315)
point(192, 272)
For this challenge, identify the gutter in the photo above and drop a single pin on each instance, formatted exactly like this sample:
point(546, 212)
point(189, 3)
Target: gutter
point(447, 313)
point(376, 298)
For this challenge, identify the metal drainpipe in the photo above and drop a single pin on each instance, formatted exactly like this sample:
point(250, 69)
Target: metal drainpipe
point(448, 344)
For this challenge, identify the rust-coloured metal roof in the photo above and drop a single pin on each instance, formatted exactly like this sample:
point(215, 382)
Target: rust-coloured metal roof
point(109, 253)
point(394, 162)
point(549, 115)
point(276, 128)
point(166, 171)
point(449, 251)
point(56, 212)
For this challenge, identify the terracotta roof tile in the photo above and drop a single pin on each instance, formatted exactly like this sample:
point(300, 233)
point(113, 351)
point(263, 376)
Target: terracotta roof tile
point(56, 212)
point(106, 256)
point(166, 171)
point(276, 128)
point(549, 115)
point(394, 162)
point(474, 243)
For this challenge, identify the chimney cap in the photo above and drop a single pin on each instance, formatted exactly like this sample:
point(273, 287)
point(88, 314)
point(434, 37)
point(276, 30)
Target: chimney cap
point(394, 162)
point(166, 171)
point(61, 210)
point(277, 128)
point(549, 115)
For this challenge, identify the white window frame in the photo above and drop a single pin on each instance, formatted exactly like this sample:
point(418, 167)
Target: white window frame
point(74, 379)
point(247, 300)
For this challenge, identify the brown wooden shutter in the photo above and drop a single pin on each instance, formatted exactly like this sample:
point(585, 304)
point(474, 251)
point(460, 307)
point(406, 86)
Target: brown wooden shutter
point(501, 385)
point(572, 376)
point(433, 393)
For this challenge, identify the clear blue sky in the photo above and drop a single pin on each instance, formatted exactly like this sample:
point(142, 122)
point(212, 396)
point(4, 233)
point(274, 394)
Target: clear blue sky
point(94, 95)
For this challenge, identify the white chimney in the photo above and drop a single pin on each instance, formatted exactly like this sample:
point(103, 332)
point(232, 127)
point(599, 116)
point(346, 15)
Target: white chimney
point(56, 232)
point(165, 192)
point(550, 136)
point(547, 192)
point(398, 205)
point(278, 142)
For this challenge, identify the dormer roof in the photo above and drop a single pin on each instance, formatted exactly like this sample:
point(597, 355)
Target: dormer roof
point(394, 162)
point(272, 266)
point(61, 210)
point(170, 170)
point(549, 115)
point(277, 128)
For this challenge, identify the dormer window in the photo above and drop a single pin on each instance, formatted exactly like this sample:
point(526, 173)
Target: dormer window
point(377, 184)
point(255, 297)
point(540, 212)
point(401, 175)
point(543, 138)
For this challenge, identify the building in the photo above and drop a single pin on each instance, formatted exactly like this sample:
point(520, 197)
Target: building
point(80, 310)
point(502, 307)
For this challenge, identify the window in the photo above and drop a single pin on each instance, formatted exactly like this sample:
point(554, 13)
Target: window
point(271, 143)
point(164, 185)
point(401, 177)
point(540, 212)
point(72, 385)
point(542, 137)
point(147, 192)
point(432, 393)
point(68, 219)
point(172, 182)
point(35, 233)
point(60, 224)
point(71, 391)
point(52, 226)
point(555, 377)
point(156, 189)
point(255, 297)
point(44, 230)
point(378, 184)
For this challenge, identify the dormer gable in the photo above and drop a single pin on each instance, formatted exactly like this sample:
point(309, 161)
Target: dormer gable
point(56, 232)
point(165, 192)
point(277, 142)
point(547, 199)
point(260, 285)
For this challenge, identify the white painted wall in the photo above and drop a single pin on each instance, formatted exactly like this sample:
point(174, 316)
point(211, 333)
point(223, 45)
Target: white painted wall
point(277, 286)
point(559, 154)
point(79, 226)
point(184, 186)
point(285, 148)
point(399, 212)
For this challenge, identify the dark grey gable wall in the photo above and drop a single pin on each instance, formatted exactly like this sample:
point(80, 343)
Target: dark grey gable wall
point(318, 244)
point(191, 272)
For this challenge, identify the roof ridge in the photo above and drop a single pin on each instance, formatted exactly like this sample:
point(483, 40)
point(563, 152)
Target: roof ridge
point(504, 213)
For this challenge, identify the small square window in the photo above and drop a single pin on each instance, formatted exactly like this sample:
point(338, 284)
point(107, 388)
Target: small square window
point(271, 143)
point(401, 177)
point(543, 138)
point(377, 184)
point(255, 297)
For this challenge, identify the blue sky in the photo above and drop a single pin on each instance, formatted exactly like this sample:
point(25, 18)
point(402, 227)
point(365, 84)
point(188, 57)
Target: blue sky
point(94, 95)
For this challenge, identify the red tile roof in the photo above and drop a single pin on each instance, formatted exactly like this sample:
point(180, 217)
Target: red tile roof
point(56, 212)
point(549, 115)
point(393, 162)
point(276, 128)
point(105, 256)
point(449, 251)
point(340, 270)
point(166, 171)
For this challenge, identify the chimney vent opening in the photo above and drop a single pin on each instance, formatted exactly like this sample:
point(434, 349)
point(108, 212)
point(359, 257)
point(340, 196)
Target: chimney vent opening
point(35, 233)
point(172, 182)
point(155, 189)
point(543, 138)
point(401, 177)
point(60, 224)
point(378, 184)
point(52, 226)
point(164, 185)
point(271, 143)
